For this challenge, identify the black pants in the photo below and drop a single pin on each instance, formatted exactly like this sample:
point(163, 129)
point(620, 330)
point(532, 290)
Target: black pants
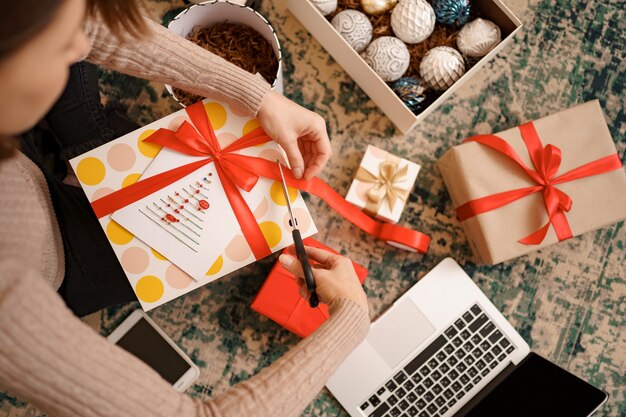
point(77, 123)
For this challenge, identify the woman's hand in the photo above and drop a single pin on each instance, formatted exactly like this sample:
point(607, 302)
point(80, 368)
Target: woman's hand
point(300, 132)
point(335, 278)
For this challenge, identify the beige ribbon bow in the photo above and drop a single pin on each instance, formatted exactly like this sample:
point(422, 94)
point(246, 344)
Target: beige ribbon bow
point(385, 185)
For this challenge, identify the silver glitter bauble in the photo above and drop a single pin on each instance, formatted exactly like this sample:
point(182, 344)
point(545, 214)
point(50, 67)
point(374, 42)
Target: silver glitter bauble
point(375, 7)
point(413, 20)
point(478, 37)
point(354, 27)
point(388, 56)
point(325, 6)
point(441, 67)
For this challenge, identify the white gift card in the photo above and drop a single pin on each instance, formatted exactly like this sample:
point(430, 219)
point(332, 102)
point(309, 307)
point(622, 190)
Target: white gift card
point(190, 221)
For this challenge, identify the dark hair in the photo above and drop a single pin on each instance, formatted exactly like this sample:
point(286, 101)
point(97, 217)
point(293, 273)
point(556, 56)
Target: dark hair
point(121, 16)
point(22, 20)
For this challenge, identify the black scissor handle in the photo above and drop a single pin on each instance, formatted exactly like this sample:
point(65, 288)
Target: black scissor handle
point(309, 279)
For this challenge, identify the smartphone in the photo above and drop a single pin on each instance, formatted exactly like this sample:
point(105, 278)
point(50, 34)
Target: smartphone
point(140, 336)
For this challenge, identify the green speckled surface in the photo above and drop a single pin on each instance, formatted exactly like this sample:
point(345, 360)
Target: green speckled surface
point(567, 301)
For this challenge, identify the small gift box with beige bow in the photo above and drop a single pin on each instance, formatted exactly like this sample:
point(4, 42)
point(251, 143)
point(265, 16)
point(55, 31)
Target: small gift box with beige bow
point(382, 184)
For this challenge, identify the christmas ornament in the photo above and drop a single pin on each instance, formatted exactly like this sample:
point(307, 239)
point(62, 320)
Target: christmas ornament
point(452, 12)
point(441, 67)
point(375, 7)
point(413, 93)
point(388, 56)
point(325, 6)
point(413, 20)
point(478, 37)
point(354, 27)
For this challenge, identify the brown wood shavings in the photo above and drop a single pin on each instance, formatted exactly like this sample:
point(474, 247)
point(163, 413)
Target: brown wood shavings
point(238, 44)
point(441, 36)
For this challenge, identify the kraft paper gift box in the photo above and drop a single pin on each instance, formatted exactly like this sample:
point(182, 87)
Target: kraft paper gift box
point(382, 184)
point(503, 207)
point(158, 266)
point(279, 299)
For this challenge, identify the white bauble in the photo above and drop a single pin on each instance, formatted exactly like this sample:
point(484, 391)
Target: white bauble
point(441, 67)
point(325, 6)
point(478, 37)
point(388, 56)
point(413, 20)
point(354, 27)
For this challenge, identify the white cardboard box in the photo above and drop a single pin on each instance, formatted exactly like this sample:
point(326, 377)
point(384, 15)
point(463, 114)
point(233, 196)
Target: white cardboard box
point(370, 82)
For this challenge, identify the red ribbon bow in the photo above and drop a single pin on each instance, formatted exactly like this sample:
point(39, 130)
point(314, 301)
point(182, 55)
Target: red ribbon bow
point(546, 161)
point(240, 171)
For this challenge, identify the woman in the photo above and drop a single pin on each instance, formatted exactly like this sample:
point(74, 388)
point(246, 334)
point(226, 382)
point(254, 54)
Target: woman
point(49, 357)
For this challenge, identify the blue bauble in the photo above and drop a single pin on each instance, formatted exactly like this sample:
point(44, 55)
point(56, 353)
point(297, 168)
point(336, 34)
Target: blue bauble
point(413, 93)
point(452, 12)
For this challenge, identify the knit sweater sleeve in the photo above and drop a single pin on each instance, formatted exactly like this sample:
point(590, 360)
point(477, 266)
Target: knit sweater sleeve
point(53, 360)
point(165, 57)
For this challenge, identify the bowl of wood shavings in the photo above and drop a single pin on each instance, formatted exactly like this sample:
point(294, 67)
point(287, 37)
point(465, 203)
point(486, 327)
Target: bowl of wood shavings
point(234, 32)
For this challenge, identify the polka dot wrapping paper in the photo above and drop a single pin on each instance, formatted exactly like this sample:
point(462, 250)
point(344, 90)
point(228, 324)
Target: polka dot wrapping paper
point(154, 278)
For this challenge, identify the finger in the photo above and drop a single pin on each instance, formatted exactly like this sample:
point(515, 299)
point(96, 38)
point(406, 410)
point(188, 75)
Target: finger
point(291, 264)
point(320, 153)
point(304, 293)
point(320, 255)
point(300, 282)
point(290, 146)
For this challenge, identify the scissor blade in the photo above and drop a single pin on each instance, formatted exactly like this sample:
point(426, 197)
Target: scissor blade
point(286, 192)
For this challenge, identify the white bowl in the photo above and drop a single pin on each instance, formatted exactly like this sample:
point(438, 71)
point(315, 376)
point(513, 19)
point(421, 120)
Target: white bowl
point(211, 12)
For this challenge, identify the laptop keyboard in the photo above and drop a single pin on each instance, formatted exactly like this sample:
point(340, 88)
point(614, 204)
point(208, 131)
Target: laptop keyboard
point(441, 374)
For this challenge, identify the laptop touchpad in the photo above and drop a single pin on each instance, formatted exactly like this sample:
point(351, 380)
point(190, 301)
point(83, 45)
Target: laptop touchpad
point(401, 329)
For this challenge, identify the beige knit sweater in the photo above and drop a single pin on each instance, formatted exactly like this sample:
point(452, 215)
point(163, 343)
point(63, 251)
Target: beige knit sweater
point(53, 360)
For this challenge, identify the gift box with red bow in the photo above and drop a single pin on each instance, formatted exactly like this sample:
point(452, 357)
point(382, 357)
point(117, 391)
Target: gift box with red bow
point(280, 300)
point(197, 195)
point(537, 184)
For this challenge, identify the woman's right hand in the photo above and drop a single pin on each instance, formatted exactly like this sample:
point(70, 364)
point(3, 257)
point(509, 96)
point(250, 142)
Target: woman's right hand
point(335, 277)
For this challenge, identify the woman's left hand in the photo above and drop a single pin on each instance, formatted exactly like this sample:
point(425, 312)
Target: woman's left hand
point(300, 132)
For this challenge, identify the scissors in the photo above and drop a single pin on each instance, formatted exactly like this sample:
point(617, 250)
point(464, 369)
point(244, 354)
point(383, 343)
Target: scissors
point(300, 251)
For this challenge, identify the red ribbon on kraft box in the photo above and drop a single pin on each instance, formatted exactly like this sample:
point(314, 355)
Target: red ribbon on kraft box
point(240, 171)
point(546, 161)
point(279, 299)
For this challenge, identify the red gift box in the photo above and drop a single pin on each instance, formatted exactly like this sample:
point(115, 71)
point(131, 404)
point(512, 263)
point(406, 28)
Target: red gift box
point(280, 300)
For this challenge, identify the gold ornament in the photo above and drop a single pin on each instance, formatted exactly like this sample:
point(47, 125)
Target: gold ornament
point(375, 7)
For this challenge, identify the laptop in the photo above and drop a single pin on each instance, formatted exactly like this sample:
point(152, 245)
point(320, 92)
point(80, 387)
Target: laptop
point(443, 349)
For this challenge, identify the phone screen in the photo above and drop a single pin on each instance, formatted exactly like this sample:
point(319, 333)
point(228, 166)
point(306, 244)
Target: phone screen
point(143, 341)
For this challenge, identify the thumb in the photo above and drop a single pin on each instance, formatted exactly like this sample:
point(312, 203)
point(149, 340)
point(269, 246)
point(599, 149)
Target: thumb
point(290, 146)
point(291, 264)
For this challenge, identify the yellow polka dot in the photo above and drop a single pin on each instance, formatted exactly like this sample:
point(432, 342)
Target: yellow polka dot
point(250, 126)
point(278, 197)
point(149, 150)
point(216, 267)
point(90, 171)
point(117, 234)
point(158, 255)
point(130, 180)
point(272, 233)
point(149, 289)
point(217, 114)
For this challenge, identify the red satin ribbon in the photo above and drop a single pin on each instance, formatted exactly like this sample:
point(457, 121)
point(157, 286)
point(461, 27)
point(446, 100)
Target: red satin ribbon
point(240, 171)
point(546, 161)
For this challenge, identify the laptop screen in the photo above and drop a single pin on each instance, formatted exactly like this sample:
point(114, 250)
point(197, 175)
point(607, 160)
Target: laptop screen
point(539, 388)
